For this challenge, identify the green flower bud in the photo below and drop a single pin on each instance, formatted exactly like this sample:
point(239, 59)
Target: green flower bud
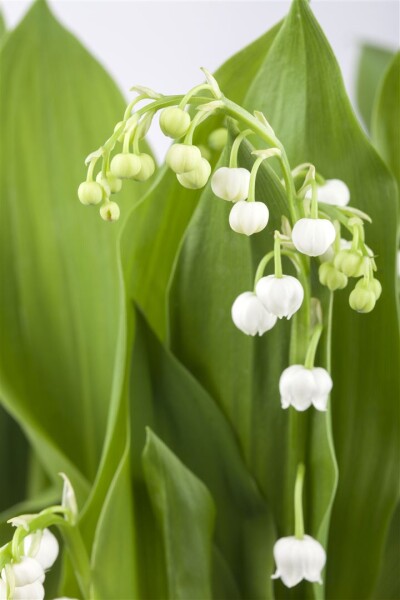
point(331, 277)
point(174, 122)
point(362, 300)
point(147, 167)
point(114, 184)
point(373, 285)
point(90, 192)
point(218, 138)
point(350, 262)
point(196, 179)
point(125, 165)
point(182, 158)
point(110, 211)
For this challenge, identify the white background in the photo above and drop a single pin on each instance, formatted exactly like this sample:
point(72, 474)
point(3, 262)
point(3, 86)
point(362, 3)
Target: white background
point(162, 44)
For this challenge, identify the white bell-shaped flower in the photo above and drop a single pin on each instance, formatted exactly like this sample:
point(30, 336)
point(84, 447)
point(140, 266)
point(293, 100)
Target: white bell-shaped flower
point(3, 590)
point(231, 184)
point(43, 547)
point(250, 315)
point(32, 591)
point(248, 217)
point(298, 559)
point(281, 296)
point(333, 191)
point(300, 387)
point(313, 236)
point(26, 571)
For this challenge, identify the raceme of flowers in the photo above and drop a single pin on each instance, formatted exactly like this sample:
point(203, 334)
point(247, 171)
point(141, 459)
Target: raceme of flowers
point(319, 211)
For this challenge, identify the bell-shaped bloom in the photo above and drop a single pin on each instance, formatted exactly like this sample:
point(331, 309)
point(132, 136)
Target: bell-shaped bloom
point(248, 217)
point(110, 211)
point(196, 179)
point(350, 262)
point(3, 590)
point(43, 547)
point(301, 387)
point(26, 571)
point(313, 236)
point(182, 158)
point(231, 184)
point(281, 296)
point(298, 559)
point(32, 591)
point(250, 315)
point(333, 191)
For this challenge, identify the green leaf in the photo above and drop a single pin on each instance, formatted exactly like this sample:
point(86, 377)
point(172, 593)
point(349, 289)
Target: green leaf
point(386, 117)
point(185, 510)
point(304, 98)
point(389, 579)
point(13, 462)
point(373, 62)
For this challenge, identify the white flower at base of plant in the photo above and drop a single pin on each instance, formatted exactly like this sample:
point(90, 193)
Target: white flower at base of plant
point(281, 296)
point(26, 571)
point(333, 191)
point(231, 184)
point(250, 316)
point(33, 591)
point(43, 547)
point(248, 217)
point(313, 237)
point(298, 559)
point(301, 387)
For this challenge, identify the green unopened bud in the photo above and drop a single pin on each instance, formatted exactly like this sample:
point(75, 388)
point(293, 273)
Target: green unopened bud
point(174, 122)
point(331, 277)
point(147, 167)
point(110, 211)
point(90, 192)
point(362, 300)
point(373, 285)
point(218, 138)
point(350, 262)
point(125, 165)
point(196, 179)
point(113, 183)
point(182, 158)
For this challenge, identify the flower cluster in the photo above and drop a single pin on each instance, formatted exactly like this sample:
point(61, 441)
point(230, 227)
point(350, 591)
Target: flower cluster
point(318, 209)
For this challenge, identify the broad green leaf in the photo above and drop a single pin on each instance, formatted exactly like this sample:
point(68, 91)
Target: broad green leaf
point(308, 108)
point(185, 510)
point(14, 459)
point(167, 398)
point(373, 62)
point(389, 579)
point(386, 118)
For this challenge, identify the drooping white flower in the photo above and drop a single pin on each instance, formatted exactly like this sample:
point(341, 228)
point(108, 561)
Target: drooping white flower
point(26, 571)
point(281, 296)
point(32, 591)
point(182, 158)
point(231, 184)
point(250, 316)
point(43, 547)
point(333, 191)
point(298, 559)
point(300, 387)
point(3, 590)
point(248, 217)
point(313, 236)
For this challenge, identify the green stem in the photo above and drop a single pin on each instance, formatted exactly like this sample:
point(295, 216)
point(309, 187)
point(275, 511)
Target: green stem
point(233, 162)
point(199, 118)
point(312, 347)
point(130, 106)
point(298, 503)
point(269, 256)
point(253, 175)
point(193, 92)
point(314, 200)
point(79, 558)
point(277, 256)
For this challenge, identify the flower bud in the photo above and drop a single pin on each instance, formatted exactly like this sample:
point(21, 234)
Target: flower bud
point(33, 591)
point(231, 184)
point(250, 316)
point(300, 387)
point(113, 183)
point(333, 191)
point(373, 285)
point(110, 211)
point(298, 559)
point(329, 255)
point(313, 236)
point(248, 217)
point(331, 277)
point(218, 138)
point(147, 167)
point(196, 179)
point(174, 122)
point(43, 547)
point(90, 192)
point(125, 165)
point(281, 296)
point(350, 262)
point(182, 158)
point(362, 300)
point(26, 571)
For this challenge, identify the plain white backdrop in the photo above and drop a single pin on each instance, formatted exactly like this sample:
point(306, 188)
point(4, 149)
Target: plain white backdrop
point(162, 44)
